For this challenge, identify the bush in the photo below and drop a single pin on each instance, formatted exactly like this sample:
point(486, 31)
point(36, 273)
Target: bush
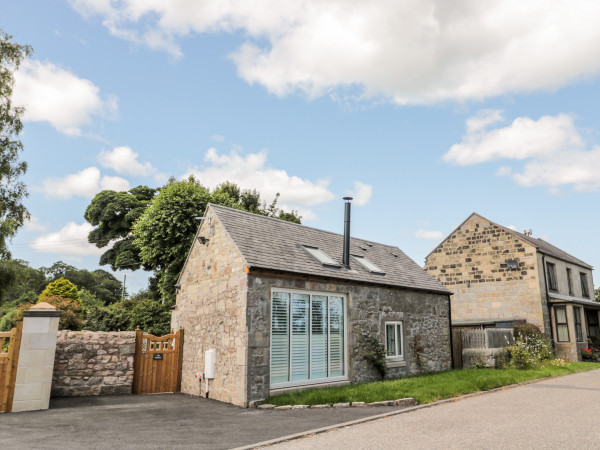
point(71, 315)
point(376, 354)
point(530, 347)
point(60, 288)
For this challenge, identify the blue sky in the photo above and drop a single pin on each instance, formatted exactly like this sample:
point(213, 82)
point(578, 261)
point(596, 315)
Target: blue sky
point(424, 113)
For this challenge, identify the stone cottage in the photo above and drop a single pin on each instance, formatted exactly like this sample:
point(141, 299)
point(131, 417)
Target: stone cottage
point(500, 276)
point(286, 306)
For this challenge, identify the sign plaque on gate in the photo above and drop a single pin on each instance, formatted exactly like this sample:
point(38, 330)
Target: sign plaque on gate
point(157, 356)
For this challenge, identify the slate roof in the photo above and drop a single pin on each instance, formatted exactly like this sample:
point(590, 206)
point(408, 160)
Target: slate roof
point(273, 244)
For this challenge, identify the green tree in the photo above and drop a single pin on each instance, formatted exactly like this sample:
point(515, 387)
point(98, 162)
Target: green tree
point(13, 213)
point(151, 316)
point(99, 282)
point(597, 292)
point(24, 283)
point(165, 231)
point(113, 214)
point(60, 288)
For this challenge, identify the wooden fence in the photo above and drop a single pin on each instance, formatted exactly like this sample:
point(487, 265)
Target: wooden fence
point(478, 338)
point(11, 341)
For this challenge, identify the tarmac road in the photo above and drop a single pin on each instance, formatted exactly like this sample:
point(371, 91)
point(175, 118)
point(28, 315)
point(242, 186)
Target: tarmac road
point(559, 413)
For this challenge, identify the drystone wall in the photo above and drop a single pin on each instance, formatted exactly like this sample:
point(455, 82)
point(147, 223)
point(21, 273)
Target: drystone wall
point(93, 363)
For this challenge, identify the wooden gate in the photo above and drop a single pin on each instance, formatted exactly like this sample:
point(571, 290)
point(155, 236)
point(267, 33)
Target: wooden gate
point(8, 365)
point(157, 365)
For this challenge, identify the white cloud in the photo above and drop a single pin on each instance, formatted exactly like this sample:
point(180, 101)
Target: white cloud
point(85, 183)
point(34, 225)
point(412, 51)
point(361, 194)
point(429, 235)
point(124, 160)
point(70, 240)
point(55, 95)
point(252, 172)
point(553, 150)
point(217, 138)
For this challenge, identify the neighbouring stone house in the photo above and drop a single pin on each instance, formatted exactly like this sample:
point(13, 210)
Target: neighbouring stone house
point(282, 311)
point(500, 276)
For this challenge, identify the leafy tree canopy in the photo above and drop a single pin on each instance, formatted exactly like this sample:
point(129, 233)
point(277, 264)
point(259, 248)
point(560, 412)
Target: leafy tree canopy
point(23, 284)
point(60, 288)
point(99, 282)
point(13, 213)
point(113, 214)
point(155, 231)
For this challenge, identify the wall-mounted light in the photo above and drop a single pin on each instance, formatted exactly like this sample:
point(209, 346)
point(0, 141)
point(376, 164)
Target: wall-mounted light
point(202, 239)
point(177, 287)
point(512, 264)
point(468, 283)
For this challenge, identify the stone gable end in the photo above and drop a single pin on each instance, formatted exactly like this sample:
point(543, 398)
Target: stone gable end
point(211, 309)
point(472, 262)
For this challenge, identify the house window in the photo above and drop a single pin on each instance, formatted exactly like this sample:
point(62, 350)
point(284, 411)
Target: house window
point(394, 345)
point(320, 256)
point(584, 285)
point(307, 338)
point(578, 329)
point(552, 277)
point(368, 264)
point(570, 281)
point(592, 323)
point(562, 329)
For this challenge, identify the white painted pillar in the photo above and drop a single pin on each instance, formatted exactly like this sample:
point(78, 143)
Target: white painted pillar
point(36, 358)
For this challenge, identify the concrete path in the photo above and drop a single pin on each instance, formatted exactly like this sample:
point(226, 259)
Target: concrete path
point(160, 421)
point(556, 413)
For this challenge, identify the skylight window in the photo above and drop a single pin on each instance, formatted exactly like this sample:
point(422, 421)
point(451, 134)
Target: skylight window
point(368, 264)
point(320, 256)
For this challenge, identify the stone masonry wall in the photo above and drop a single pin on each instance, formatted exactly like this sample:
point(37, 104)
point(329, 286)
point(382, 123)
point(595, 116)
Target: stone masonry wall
point(472, 263)
point(211, 308)
point(424, 315)
point(93, 363)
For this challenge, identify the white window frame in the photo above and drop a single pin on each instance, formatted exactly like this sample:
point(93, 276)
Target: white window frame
point(397, 356)
point(317, 380)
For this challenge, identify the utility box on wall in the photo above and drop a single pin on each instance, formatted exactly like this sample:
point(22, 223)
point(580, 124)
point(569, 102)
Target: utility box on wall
point(209, 364)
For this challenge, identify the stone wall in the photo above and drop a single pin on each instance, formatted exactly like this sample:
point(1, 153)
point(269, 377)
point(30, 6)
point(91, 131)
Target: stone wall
point(424, 316)
point(211, 308)
point(472, 262)
point(93, 363)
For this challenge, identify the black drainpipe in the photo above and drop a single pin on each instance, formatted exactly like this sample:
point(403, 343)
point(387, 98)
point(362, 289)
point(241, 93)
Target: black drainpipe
point(548, 300)
point(346, 253)
point(451, 343)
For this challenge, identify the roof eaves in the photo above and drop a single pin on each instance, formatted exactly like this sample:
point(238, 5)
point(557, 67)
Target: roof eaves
point(445, 291)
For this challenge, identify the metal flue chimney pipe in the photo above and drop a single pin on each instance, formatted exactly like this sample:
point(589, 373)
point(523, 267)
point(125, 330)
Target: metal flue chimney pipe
point(346, 253)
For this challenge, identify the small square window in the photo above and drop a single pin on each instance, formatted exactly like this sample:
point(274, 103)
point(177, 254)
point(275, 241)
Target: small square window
point(394, 345)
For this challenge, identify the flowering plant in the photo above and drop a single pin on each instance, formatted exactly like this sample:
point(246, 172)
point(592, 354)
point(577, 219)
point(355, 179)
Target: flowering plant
point(587, 353)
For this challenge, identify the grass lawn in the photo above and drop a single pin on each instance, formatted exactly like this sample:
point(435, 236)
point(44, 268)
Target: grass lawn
point(428, 388)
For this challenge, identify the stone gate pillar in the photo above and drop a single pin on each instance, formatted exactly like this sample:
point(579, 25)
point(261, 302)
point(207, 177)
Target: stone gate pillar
point(36, 358)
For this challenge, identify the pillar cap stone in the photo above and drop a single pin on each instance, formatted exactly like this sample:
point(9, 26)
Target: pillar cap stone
point(43, 305)
point(42, 309)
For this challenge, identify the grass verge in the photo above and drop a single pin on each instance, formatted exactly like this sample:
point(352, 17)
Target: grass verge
point(428, 388)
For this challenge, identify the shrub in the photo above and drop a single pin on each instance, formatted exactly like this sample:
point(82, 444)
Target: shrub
point(530, 347)
point(60, 288)
point(375, 354)
point(71, 316)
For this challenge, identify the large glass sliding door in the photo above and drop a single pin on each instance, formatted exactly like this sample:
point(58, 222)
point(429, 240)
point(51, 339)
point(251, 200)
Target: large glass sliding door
point(307, 339)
